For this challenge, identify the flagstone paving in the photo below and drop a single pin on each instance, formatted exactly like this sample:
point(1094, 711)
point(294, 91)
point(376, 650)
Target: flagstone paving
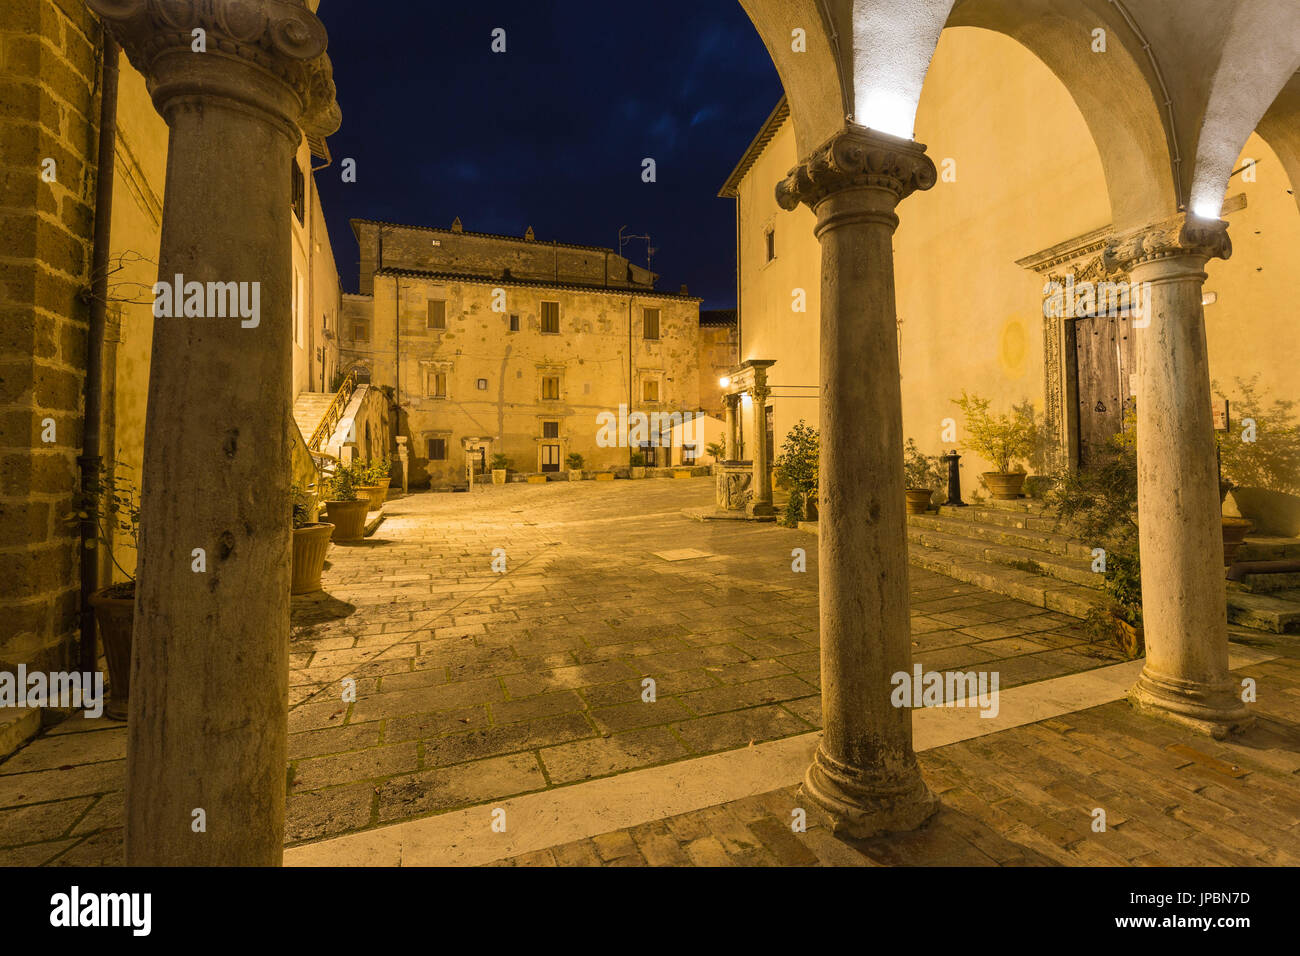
point(424, 678)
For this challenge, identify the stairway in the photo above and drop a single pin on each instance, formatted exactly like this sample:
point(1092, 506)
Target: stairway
point(1016, 548)
point(309, 410)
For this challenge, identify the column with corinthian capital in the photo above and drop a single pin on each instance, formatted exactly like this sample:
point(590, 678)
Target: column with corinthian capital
point(760, 502)
point(237, 83)
point(1184, 608)
point(865, 773)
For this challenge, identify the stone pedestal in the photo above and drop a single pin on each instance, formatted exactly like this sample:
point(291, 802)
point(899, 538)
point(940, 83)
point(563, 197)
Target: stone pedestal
point(734, 480)
point(206, 755)
point(1186, 675)
point(865, 773)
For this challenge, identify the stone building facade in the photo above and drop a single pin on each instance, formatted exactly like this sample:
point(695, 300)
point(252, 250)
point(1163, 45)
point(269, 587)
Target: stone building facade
point(510, 345)
point(719, 343)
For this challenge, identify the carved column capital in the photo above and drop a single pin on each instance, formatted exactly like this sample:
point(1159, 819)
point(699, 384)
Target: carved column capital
point(1179, 235)
point(856, 158)
point(278, 37)
point(759, 393)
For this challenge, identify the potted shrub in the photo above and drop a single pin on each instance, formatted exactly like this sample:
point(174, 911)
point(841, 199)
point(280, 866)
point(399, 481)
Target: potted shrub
point(574, 461)
point(796, 470)
point(1100, 506)
point(114, 501)
point(922, 475)
point(500, 467)
point(344, 507)
point(636, 465)
point(1005, 440)
point(1260, 462)
point(311, 541)
point(375, 478)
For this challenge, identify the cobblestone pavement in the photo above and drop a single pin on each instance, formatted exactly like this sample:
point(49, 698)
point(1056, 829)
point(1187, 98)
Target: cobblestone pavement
point(473, 685)
point(1030, 796)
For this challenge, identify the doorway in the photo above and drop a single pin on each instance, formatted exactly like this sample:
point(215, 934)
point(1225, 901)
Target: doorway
point(1105, 360)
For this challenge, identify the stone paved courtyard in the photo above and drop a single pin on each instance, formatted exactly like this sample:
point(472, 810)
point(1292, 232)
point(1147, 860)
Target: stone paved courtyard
point(474, 686)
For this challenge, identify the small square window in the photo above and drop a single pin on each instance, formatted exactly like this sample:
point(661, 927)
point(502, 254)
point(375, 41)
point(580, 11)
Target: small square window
point(551, 318)
point(437, 315)
point(514, 323)
point(650, 323)
point(437, 449)
point(551, 388)
point(550, 429)
point(482, 385)
point(360, 332)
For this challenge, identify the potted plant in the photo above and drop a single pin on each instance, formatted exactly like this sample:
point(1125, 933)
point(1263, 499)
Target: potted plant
point(311, 541)
point(574, 461)
point(717, 451)
point(1100, 507)
point(922, 476)
point(636, 465)
point(375, 477)
point(500, 466)
point(1260, 462)
point(1004, 440)
point(344, 507)
point(796, 469)
point(113, 501)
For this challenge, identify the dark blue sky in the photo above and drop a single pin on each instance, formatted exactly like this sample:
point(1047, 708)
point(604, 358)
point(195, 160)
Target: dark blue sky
point(552, 133)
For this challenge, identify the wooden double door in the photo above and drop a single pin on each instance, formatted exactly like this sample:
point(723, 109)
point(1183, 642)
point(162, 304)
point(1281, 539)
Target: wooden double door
point(1105, 364)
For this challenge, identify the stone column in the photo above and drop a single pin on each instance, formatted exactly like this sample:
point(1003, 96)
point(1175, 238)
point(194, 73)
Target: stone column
point(207, 734)
point(1184, 610)
point(733, 451)
point(865, 773)
point(760, 504)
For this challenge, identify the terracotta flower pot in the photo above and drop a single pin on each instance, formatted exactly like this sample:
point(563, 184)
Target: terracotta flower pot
point(575, 475)
point(918, 500)
point(310, 544)
point(1005, 485)
point(637, 471)
point(1234, 533)
point(114, 616)
point(498, 476)
point(376, 494)
point(348, 518)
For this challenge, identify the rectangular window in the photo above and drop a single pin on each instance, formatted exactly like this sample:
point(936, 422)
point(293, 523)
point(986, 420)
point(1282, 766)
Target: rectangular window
point(650, 390)
point(437, 315)
point(482, 385)
point(650, 323)
point(551, 318)
point(298, 319)
point(551, 388)
point(688, 454)
point(769, 240)
point(360, 332)
point(437, 385)
point(550, 429)
point(298, 186)
point(437, 449)
point(514, 323)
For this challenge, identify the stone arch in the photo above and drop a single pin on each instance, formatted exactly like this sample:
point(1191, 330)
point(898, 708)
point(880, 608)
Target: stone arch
point(1132, 132)
point(1280, 128)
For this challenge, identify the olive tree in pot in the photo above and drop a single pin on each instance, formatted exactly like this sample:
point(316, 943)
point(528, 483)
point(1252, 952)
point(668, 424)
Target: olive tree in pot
point(636, 465)
point(1005, 440)
point(500, 467)
point(796, 469)
point(344, 507)
point(924, 474)
point(311, 541)
point(375, 477)
point(1100, 507)
point(575, 462)
point(113, 502)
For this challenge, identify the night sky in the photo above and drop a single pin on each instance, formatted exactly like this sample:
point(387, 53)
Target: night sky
point(552, 133)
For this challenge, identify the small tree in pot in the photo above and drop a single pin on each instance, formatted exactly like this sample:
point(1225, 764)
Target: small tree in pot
point(796, 469)
point(311, 541)
point(500, 467)
point(344, 507)
point(575, 462)
point(636, 465)
point(1005, 440)
point(923, 475)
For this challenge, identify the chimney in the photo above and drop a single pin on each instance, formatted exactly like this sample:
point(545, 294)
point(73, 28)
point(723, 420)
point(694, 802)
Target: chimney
point(684, 291)
point(457, 225)
point(528, 236)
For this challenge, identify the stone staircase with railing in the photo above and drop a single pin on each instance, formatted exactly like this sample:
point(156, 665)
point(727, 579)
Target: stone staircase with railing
point(1018, 549)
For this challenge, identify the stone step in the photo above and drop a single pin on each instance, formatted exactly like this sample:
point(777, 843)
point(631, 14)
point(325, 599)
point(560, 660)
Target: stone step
point(1035, 589)
point(1050, 542)
point(17, 727)
point(1265, 548)
point(1072, 570)
point(1278, 612)
point(1267, 583)
point(1002, 517)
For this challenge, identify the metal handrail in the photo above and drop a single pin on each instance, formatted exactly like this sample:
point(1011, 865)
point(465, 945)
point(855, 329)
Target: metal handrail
point(333, 413)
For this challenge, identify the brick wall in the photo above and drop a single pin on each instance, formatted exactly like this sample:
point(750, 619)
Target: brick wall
point(48, 110)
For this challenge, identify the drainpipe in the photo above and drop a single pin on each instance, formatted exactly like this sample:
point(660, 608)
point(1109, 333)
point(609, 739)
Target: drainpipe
point(90, 458)
point(630, 299)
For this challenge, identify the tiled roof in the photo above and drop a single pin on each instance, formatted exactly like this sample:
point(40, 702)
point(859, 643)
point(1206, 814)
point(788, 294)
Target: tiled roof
point(769, 128)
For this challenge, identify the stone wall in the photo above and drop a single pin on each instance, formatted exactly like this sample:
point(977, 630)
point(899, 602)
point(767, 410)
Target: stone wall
point(48, 111)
